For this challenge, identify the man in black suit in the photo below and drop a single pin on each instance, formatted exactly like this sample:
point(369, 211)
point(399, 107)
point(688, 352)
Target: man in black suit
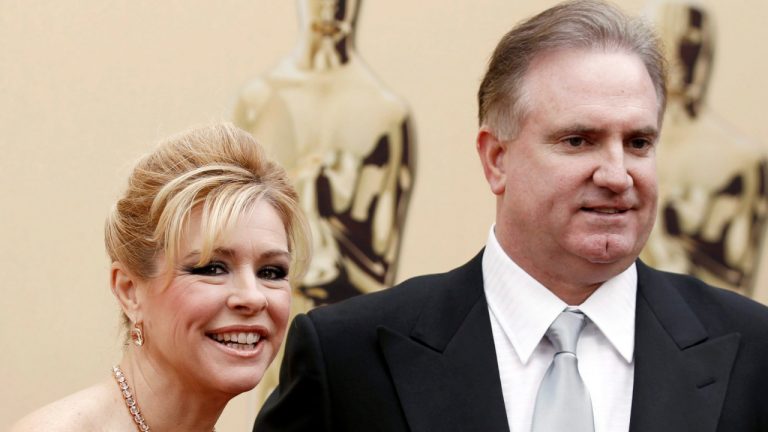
point(570, 112)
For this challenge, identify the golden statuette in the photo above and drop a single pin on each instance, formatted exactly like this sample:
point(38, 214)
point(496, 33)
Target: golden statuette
point(347, 143)
point(713, 193)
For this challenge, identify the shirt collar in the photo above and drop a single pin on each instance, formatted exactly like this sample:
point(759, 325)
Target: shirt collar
point(524, 308)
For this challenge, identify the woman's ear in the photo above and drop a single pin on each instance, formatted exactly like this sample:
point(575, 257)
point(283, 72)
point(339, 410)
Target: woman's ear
point(124, 286)
point(492, 151)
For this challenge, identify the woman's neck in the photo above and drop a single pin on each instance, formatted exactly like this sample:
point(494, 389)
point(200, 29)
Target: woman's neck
point(168, 402)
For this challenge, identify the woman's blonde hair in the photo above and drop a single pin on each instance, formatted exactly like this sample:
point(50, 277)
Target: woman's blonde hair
point(220, 169)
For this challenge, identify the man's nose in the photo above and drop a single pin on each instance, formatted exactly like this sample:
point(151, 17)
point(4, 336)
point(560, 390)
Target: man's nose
point(611, 172)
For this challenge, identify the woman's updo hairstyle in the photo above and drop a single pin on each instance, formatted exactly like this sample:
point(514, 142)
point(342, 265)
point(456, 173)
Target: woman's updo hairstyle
point(220, 169)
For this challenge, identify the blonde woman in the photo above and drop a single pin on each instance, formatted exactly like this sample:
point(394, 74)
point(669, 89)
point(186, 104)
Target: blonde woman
point(204, 245)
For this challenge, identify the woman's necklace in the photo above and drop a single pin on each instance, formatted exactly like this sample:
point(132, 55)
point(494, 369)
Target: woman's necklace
point(130, 400)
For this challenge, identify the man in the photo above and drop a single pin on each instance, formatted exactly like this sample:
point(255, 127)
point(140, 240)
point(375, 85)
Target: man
point(570, 113)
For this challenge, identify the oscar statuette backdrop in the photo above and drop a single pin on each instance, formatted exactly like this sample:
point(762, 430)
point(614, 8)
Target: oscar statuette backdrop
point(86, 87)
point(713, 179)
point(347, 143)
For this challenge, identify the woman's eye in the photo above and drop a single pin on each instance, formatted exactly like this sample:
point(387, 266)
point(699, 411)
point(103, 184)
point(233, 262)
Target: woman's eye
point(272, 273)
point(574, 141)
point(210, 269)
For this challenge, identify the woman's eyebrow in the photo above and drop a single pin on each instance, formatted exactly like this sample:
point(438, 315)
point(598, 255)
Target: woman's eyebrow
point(230, 253)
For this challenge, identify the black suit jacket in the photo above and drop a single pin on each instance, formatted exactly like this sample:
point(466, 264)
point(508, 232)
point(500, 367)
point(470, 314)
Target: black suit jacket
point(420, 357)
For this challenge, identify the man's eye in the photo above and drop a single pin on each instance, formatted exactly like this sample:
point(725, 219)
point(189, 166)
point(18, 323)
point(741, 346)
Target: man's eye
point(210, 269)
point(574, 141)
point(639, 143)
point(272, 273)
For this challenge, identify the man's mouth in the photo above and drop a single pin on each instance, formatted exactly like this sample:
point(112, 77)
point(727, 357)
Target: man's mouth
point(237, 340)
point(604, 210)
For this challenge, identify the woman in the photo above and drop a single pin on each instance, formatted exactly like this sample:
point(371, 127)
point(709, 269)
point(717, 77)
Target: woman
point(203, 244)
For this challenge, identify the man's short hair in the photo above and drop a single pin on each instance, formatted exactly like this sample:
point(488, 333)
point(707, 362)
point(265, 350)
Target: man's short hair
point(577, 24)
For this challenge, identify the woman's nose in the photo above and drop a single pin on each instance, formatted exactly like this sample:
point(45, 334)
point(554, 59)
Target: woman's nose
point(248, 294)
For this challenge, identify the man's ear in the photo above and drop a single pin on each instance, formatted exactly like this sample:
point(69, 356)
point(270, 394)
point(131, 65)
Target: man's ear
point(491, 151)
point(124, 286)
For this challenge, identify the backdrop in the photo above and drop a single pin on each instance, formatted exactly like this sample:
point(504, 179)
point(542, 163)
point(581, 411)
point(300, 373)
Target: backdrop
point(87, 86)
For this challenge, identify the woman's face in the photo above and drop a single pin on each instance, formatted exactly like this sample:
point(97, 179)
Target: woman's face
point(217, 326)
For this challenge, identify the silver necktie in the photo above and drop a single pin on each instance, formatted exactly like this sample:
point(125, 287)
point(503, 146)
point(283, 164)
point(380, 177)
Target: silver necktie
point(563, 402)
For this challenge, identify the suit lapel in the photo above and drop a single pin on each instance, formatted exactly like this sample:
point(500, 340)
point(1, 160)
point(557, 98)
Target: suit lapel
point(681, 373)
point(445, 370)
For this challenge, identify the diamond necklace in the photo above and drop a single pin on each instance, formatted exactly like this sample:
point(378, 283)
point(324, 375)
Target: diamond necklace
point(130, 400)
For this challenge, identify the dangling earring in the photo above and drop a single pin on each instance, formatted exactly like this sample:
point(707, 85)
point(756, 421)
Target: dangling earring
point(137, 336)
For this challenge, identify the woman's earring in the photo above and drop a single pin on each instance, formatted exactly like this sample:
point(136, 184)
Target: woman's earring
point(137, 336)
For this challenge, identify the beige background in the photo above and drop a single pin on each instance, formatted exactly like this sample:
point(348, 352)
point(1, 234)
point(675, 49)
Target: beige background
point(86, 86)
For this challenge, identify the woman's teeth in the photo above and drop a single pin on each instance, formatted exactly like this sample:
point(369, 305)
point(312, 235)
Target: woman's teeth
point(241, 340)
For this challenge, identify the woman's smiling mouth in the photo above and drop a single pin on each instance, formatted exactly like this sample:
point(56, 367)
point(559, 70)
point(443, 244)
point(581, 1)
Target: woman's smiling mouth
point(237, 340)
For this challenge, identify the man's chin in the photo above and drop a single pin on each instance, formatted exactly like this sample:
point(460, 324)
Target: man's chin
point(607, 251)
point(606, 259)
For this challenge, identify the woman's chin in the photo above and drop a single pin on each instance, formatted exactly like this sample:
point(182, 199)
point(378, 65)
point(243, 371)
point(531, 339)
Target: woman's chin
point(236, 382)
point(238, 369)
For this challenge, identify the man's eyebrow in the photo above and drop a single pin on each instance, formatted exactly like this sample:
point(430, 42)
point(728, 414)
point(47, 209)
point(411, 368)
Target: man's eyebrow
point(646, 131)
point(577, 129)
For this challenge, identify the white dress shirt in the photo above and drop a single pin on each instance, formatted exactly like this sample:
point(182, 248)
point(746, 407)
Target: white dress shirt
point(522, 310)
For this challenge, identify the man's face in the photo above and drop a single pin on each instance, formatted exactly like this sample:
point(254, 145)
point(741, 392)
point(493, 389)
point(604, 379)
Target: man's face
point(577, 189)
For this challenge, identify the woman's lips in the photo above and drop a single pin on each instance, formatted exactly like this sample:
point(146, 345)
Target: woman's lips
point(239, 340)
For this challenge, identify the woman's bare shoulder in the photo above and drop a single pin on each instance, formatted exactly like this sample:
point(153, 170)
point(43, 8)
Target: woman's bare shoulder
point(91, 409)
